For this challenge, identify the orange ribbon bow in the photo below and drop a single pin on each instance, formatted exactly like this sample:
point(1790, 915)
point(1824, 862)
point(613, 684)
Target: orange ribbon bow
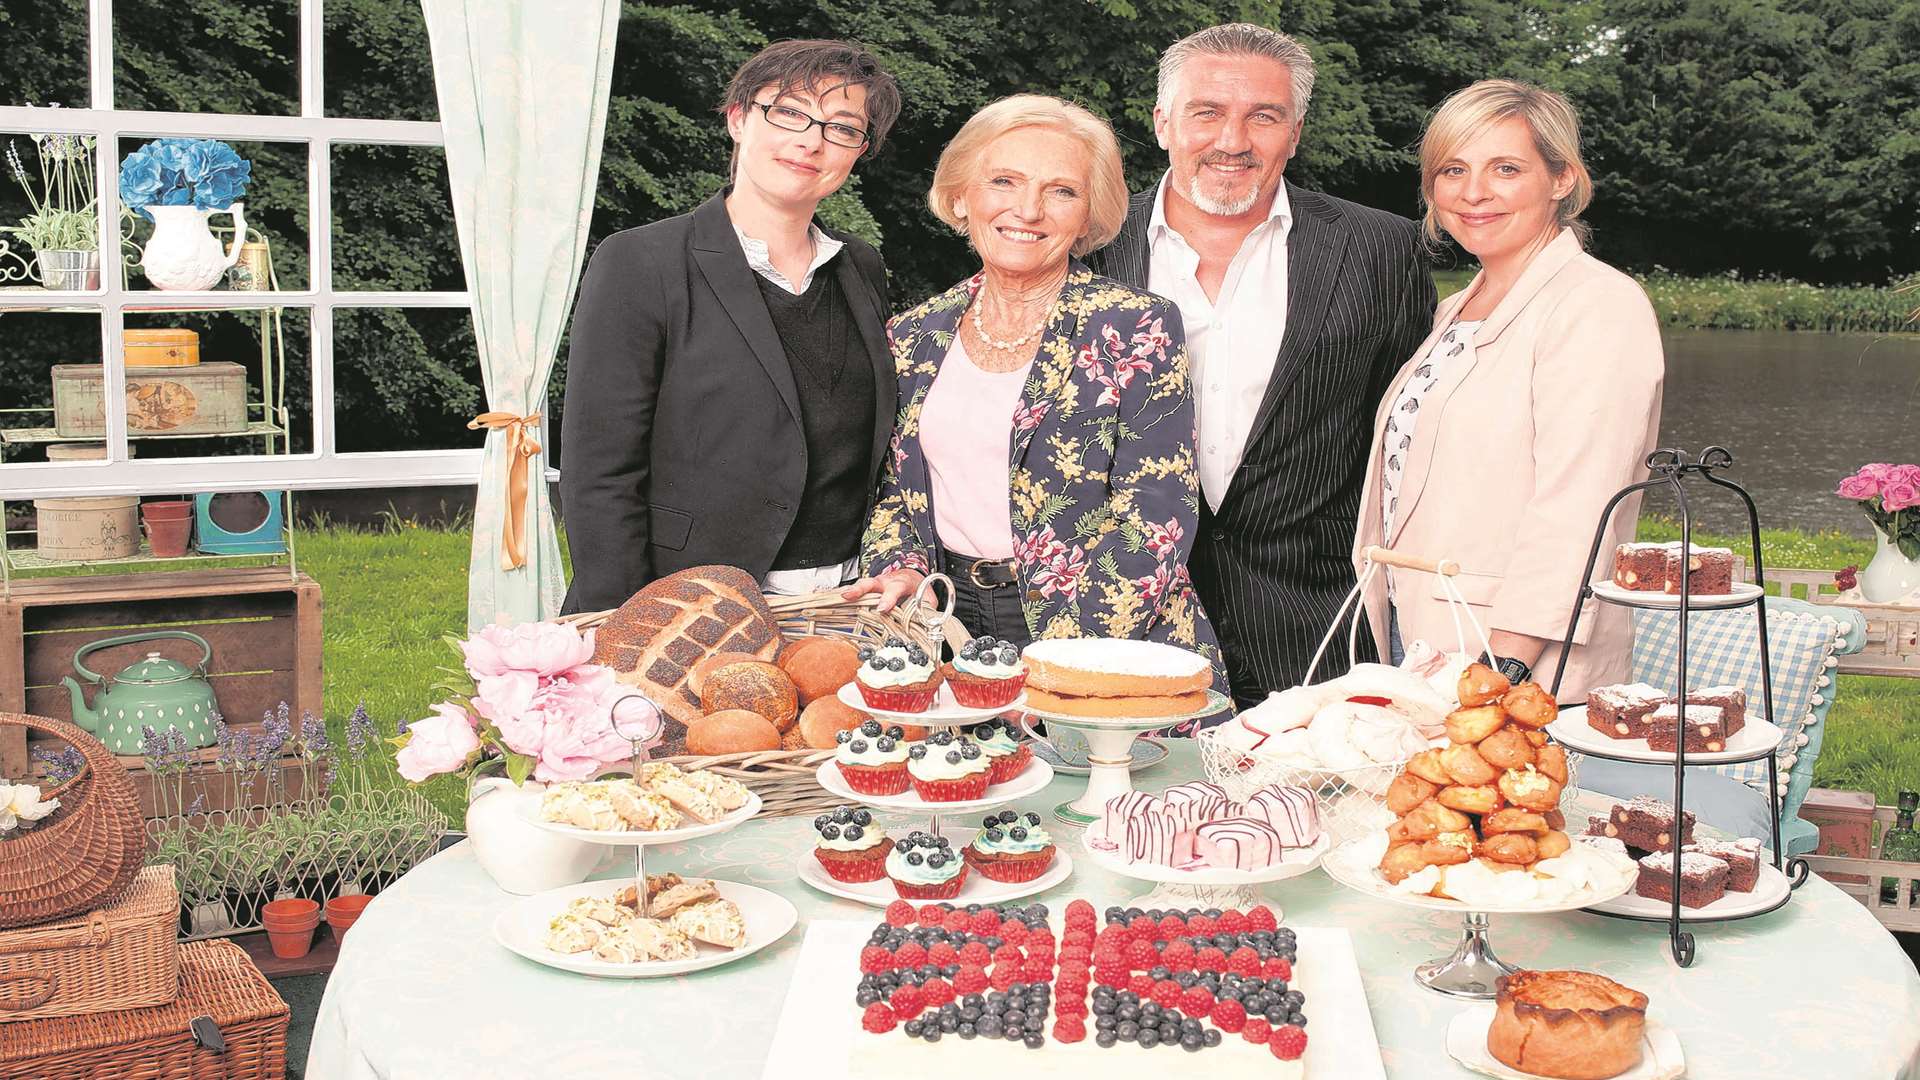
point(521, 446)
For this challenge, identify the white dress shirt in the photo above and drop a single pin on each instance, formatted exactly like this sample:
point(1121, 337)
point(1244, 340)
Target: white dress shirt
point(1234, 339)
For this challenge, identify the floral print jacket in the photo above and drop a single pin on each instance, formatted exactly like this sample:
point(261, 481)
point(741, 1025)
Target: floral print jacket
point(1105, 497)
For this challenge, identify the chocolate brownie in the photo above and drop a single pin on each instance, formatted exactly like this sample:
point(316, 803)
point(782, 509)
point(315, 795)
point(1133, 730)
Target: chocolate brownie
point(1640, 567)
point(1620, 712)
point(1730, 700)
point(1704, 729)
point(1703, 878)
point(1710, 570)
point(1742, 857)
point(1647, 823)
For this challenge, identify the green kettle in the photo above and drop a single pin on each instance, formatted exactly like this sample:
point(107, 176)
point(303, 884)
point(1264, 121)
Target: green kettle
point(155, 692)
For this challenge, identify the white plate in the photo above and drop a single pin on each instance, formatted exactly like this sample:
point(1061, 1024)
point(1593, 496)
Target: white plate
point(1352, 864)
point(1743, 592)
point(1769, 889)
point(1216, 701)
point(1293, 863)
point(522, 928)
point(977, 889)
point(1032, 779)
point(944, 712)
point(1660, 1057)
point(1146, 753)
point(637, 838)
point(1756, 739)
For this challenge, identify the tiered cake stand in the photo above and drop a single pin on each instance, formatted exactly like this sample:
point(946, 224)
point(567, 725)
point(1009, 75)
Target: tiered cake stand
point(1208, 887)
point(1110, 742)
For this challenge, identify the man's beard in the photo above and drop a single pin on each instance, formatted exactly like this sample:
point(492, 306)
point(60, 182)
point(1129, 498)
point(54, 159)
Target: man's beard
point(1223, 207)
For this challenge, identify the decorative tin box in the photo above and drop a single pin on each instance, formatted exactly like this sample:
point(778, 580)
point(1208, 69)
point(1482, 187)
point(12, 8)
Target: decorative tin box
point(168, 347)
point(203, 399)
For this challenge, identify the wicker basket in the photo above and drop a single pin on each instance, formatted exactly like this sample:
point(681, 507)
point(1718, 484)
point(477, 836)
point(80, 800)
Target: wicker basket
point(120, 957)
point(785, 779)
point(85, 855)
point(216, 980)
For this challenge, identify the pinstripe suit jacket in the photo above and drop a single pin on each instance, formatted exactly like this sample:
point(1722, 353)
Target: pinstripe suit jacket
point(1272, 564)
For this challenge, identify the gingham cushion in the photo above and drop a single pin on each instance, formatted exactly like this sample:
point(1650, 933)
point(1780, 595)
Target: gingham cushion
point(1721, 652)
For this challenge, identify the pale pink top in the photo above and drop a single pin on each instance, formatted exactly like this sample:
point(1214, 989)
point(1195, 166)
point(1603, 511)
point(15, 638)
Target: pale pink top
point(966, 431)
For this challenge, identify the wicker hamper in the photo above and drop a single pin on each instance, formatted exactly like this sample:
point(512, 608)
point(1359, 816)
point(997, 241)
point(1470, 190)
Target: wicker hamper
point(87, 853)
point(123, 956)
point(784, 779)
point(217, 980)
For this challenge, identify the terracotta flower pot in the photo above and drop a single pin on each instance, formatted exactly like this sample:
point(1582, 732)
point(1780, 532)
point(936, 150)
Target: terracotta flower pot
point(169, 509)
point(290, 924)
point(344, 911)
point(168, 536)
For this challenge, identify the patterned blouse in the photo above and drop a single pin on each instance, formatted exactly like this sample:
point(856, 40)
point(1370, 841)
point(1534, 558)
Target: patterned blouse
point(1448, 351)
point(1104, 495)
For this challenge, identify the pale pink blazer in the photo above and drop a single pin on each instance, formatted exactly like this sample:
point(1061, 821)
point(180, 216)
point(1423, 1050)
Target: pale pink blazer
point(1514, 457)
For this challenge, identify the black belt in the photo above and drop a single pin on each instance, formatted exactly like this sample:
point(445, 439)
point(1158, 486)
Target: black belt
point(983, 573)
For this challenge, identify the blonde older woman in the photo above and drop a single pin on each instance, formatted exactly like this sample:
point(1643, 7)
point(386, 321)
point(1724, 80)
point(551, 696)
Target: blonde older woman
point(1534, 399)
point(1043, 456)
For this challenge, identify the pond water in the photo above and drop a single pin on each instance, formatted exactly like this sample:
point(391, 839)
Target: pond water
point(1799, 411)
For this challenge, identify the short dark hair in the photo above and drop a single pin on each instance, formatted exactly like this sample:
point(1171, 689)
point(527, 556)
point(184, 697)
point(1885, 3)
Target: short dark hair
point(803, 65)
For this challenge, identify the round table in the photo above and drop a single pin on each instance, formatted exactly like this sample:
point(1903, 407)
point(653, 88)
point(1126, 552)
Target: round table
point(422, 992)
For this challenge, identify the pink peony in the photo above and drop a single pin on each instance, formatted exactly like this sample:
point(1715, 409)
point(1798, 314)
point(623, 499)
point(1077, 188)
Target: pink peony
point(1859, 487)
point(563, 721)
point(439, 744)
point(542, 648)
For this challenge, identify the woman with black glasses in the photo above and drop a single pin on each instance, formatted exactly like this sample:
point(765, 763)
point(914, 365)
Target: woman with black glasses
point(729, 394)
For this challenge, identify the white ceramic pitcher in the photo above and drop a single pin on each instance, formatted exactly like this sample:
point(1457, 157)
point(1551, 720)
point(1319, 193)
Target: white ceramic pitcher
point(182, 254)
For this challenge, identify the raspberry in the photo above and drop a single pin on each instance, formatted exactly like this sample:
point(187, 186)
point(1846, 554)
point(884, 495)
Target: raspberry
point(1256, 1030)
point(1229, 1015)
point(1008, 954)
point(1141, 954)
point(1077, 939)
point(937, 992)
point(900, 913)
point(1167, 993)
point(1276, 967)
point(1013, 932)
point(1141, 984)
point(1200, 926)
point(1036, 970)
point(1288, 1042)
point(1232, 922)
point(878, 1018)
point(1110, 976)
point(976, 953)
point(1079, 911)
point(956, 922)
point(1075, 951)
point(942, 953)
point(1003, 977)
point(1171, 927)
point(983, 923)
point(1244, 962)
point(874, 959)
point(971, 979)
point(1073, 966)
point(1072, 1001)
point(911, 955)
point(1142, 928)
point(1113, 934)
point(1178, 955)
point(907, 1002)
point(1210, 959)
point(1044, 959)
point(1196, 1001)
point(1261, 918)
point(1069, 1030)
point(933, 914)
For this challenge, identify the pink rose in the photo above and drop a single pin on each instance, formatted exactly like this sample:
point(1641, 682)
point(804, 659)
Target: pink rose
point(439, 744)
point(1858, 487)
point(543, 648)
point(1900, 494)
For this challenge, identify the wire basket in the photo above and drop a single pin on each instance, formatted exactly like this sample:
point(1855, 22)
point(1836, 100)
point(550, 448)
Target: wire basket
point(1352, 802)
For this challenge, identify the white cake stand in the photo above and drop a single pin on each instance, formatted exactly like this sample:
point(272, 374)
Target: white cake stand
point(1207, 887)
point(639, 841)
point(1109, 752)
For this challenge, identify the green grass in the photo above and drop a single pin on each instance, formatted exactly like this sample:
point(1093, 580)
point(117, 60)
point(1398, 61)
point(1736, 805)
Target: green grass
point(1728, 303)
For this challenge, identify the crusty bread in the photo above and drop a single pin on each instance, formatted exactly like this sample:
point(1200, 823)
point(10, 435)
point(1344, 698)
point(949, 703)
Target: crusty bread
point(654, 639)
point(732, 731)
point(819, 666)
point(753, 685)
point(1573, 1025)
point(826, 718)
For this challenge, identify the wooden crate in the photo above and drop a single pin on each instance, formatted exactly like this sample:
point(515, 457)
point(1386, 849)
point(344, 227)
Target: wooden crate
point(263, 623)
point(1901, 914)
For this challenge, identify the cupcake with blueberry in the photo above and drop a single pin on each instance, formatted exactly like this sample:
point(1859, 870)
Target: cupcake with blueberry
point(926, 867)
point(987, 673)
point(850, 846)
point(872, 759)
point(946, 768)
point(897, 676)
point(1010, 847)
point(1009, 756)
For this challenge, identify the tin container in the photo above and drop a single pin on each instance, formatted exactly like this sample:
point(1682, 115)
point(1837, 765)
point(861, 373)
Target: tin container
point(203, 399)
point(85, 529)
point(169, 347)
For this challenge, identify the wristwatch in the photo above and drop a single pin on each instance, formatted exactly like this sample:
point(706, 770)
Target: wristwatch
point(1515, 671)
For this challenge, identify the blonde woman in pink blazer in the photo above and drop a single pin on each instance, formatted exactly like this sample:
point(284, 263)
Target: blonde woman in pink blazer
point(1534, 399)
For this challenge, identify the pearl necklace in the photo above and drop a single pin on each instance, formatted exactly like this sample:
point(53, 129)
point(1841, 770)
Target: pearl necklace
point(980, 328)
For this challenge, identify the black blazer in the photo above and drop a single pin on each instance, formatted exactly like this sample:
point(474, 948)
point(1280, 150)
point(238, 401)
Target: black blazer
point(683, 443)
point(1274, 563)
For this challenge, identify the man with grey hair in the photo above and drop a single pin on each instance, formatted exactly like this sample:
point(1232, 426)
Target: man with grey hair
point(1299, 310)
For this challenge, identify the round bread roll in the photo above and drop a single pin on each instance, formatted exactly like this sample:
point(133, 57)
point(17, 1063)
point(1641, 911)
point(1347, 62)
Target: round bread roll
point(697, 675)
point(753, 685)
point(825, 718)
point(732, 731)
point(820, 666)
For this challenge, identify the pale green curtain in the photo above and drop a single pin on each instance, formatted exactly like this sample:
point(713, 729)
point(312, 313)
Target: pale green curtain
point(523, 103)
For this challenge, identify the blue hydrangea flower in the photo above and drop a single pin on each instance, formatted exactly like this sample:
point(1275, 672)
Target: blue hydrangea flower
point(203, 173)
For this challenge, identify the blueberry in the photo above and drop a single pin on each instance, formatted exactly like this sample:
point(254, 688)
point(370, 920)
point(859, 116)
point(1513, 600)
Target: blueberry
point(1187, 979)
point(865, 998)
point(949, 1023)
point(1014, 1033)
point(914, 858)
point(940, 738)
point(1160, 973)
point(1276, 1016)
point(1210, 1037)
point(942, 842)
point(1127, 1030)
point(914, 1027)
point(1149, 1037)
point(1008, 656)
point(858, 746)
point(973, 1001)
point(1190, 1025)
point(852, 832)
point(1106, 1038)
point(994, 836)
point(932, 1033)
point(896, 664)
point(917, 751)
point(1017, 833)
point(862, 817)
point(841, 737)
point(1128, 1012)
point(967, 651)
point(1295, 999)
point(843, 814)
point(830, 831)
point(1035, 1040)
point(1033, 818)
point(865, 652)
point(953, 757)
point(1192, 1042)
point(878, 663)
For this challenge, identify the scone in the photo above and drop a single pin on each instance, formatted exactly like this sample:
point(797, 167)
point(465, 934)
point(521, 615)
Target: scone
point(1572, 1025)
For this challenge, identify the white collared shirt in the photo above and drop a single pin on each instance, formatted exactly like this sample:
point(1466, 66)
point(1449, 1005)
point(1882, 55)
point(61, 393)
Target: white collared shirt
point(824, 249)
point(1233, 340)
